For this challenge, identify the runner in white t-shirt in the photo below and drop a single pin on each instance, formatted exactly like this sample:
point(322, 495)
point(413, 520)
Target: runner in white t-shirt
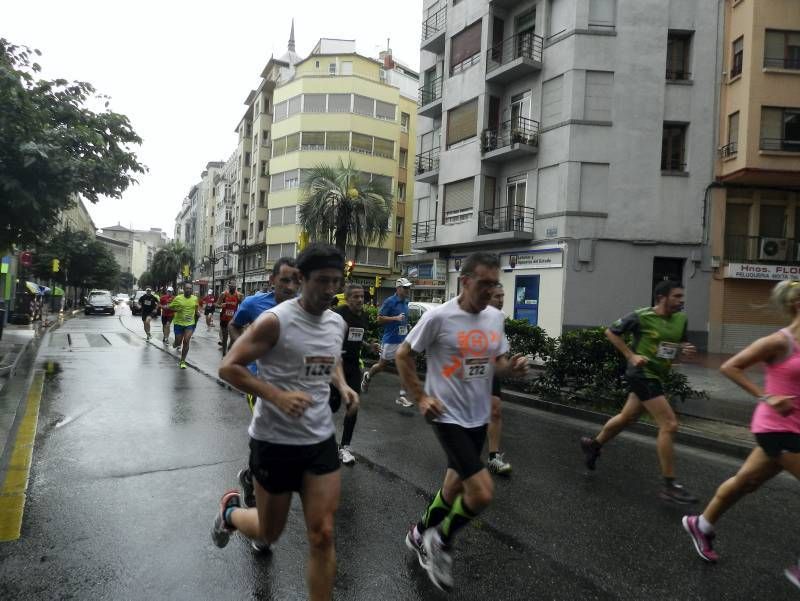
point(465, 346)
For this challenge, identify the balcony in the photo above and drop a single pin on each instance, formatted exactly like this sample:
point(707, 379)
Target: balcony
point(430, 98)
point(781, 144)
point(729, 150)
point(791, 64)
point(423, 232)
point(426, 168)
point(514, 58)
point(761, 249)
point(516, 138)
point(509, 222)
point(433, 32)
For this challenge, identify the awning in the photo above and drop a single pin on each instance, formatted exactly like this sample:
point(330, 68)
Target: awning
point(58, 291)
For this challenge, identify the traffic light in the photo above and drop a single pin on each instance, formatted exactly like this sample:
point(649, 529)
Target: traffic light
point(56, 265)
point(186, 270)
point(378, 281)
point(348, 268)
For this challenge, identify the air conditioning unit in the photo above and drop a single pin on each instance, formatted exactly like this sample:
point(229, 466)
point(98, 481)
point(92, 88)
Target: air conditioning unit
point(773, 249)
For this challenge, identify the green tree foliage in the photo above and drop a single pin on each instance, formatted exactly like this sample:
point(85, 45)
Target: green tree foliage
point(126, 280)
point(85, 262)
point(168, 263)
point(53, 147)
point(340, 207)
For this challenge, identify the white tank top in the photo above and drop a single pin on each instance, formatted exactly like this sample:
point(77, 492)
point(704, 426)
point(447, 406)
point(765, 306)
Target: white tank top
point(304, 359)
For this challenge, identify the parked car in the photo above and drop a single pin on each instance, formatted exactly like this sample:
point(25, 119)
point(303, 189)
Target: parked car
point(121, 298)
point(99, 303)
point(416, 310)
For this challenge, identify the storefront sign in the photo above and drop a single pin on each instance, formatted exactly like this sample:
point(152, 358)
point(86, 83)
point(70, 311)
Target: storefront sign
point(749, 271)
point(536, 260)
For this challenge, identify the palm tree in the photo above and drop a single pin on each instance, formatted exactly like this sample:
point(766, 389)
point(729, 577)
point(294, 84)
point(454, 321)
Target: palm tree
point(168, 262)
point(341, 207)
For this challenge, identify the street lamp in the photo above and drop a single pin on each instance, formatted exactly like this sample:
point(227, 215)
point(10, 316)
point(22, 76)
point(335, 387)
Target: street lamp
point(212, 259)
point(240, 250)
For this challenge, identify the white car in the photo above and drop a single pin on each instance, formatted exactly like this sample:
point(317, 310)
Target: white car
point(415, 310)
point(121, 298)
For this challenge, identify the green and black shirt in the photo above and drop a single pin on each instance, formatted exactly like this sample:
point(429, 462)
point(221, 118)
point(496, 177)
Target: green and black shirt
point(656, 337)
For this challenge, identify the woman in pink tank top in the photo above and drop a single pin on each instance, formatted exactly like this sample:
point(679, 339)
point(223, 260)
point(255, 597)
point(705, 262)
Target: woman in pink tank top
point(775, 423)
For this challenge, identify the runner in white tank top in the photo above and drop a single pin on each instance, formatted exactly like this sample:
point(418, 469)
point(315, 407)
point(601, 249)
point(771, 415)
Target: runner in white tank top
point(292, 448)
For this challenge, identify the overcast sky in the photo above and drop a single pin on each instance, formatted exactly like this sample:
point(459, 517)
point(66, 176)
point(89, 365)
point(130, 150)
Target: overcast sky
point(180, 70)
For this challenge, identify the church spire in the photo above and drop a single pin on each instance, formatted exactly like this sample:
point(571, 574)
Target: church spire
point(291, 39)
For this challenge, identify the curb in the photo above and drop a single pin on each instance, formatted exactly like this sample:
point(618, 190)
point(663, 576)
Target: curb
point(10, 370)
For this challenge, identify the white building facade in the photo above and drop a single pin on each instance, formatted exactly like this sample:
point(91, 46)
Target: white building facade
point(576, 139)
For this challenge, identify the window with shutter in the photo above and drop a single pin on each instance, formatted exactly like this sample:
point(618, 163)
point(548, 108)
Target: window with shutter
point(314, 103)
point(289, 215)
point(276, 183)
point(462, 122)
point(597, 104)
point(465, 48)
point(313, 140)
point(383, 181)
point(279, 147)
point(385, 110)
point(362, 143)
point(292, 143)
point(602, 14)
point(294, 105)
point(337, 140)
point(338, 103)
point(458, 201)
point(384, 148)
point(363, 105)
point(280, 112)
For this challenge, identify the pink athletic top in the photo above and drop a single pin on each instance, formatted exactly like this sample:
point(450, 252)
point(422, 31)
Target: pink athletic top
point(782, 378)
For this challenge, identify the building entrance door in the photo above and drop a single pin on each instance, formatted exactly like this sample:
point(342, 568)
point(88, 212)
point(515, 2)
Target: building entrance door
point(526, 298)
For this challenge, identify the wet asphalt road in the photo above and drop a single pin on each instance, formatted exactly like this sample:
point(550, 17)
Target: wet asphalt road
point(132, 455)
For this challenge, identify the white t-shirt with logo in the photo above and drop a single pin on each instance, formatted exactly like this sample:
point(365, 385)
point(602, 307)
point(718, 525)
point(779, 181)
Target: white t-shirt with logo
point(304, 359)
point(461, 349)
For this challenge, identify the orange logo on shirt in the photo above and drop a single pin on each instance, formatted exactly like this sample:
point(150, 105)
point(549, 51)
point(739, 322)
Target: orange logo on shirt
point(470, 343)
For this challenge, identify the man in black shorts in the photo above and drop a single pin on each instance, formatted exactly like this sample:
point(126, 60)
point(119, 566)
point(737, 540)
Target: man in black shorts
point(292, 436)
point(465, 346)
point(357, 327)
point(497, 463)
point(149, 304)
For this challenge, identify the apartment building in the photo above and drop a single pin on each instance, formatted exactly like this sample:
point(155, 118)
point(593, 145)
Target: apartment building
point(224, 233)
point(755, 227)
point(576, 139)
point(205, 201)
point(133, 249)
point(337, 105)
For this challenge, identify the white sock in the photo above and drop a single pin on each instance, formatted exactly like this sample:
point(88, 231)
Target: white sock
point(705, 526)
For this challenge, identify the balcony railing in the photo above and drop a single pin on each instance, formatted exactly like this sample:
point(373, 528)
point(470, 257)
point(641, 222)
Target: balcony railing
point(431, 91)
point(783, 144)
point(730, 149)
point(508, 218)
point(434, 24)
point(427, 161)
point(423, 231)
point(519, 130)
point(522, 45)
point(678, 75)
point(782, 63)
point(761, 249)
point(673, 164)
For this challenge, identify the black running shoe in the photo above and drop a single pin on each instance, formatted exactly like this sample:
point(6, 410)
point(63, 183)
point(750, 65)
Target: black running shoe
point(591, 450)
point(247, 489)
point(677, 494)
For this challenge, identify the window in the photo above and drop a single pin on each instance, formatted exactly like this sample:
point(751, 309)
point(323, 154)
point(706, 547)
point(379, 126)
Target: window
point(276, 251)
point(397, 263)
point(516, 188)
point(465, 48)
point(282, 216)
point(401, 191)
point(247, 157)
point(316, 64)
point(265, 137)
point(405, 118)
point(678, 46)
point(278, 147)
point(383, 181)
point(260, 226)
point(337, 140)
point(599, 94)
point(292, 143)
point(385, 110)
point(780, 129)
point(347, 68)
point(458, 202)
point(731, 148)
point(738, 57)
point(363, 106)
point(399, 225)
point(552, 101)
point(280, 112)
point(404, 158)
point(262, 199)
point(285, 181)
point(264, 168)
point(673, 147)
point(462, 122)
point(383, 148)
point(602, 14)
point(362, 143)
point(338, 103)
point(782, 49)
point(378, 257)
point(332, 69)
point(313, 140)
point(314, 103)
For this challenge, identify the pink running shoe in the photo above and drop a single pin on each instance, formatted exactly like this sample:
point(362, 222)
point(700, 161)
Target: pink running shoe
point(702, 542)
point(793, 574)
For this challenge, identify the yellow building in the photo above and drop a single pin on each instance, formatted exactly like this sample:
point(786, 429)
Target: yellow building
point(755, 211)
point(337, 105)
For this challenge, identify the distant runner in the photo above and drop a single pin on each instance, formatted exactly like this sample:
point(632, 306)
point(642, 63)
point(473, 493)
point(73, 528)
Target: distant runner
point(209, 302)
point(149, 304)
point(166, 313)
point(187, 311)
point(229, 302)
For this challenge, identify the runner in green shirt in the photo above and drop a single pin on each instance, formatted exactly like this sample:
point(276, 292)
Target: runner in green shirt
point(659, 337)
point(187, 310)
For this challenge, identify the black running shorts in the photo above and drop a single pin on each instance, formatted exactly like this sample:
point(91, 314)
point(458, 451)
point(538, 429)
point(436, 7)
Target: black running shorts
point(280, 468)
point(353, 379)
point(146, 316)
point(209, 310)
point(463, 447)
point(777, 443)
point(645, 388)
point(166, 320)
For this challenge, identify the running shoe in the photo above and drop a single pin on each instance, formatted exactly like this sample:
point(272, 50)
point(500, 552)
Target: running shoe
point(365, 382)
point(346, 456)
point(439, 562)
point(591, 450)
point(414, 543)
point(148, 337)
point(403, 401)
point(677, 494)
point(165, 339)
point(182, 364)
point(498, 465)
point(702, 541)
point(221, 530)
point(247, 491)
point(260, 547)
point(793, 574)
